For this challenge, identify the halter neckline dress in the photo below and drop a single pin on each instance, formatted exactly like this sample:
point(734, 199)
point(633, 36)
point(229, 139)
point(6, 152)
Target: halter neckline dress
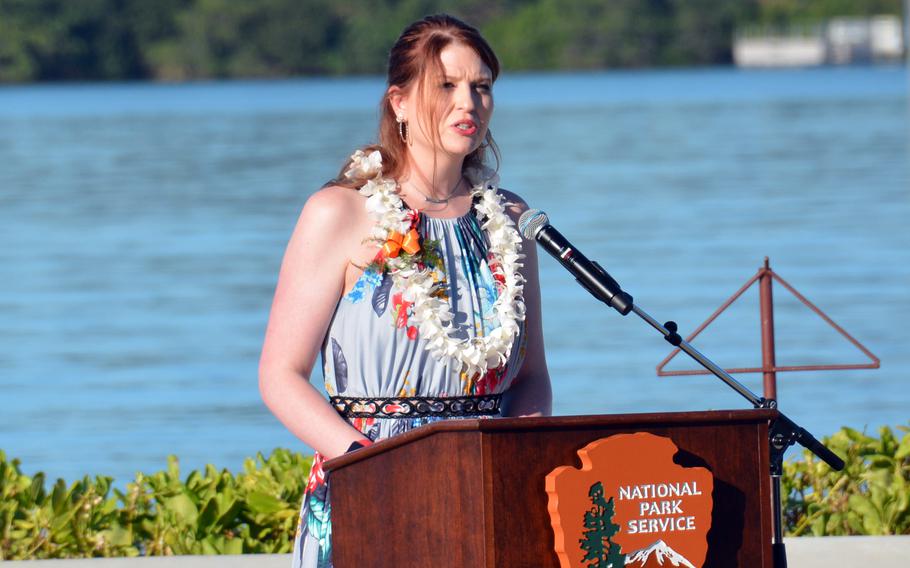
point(371, 350)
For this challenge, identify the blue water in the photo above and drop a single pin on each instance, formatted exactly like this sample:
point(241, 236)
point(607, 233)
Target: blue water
point(142, 225)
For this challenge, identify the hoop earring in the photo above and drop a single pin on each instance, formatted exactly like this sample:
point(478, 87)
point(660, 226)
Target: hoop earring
point(403, 131)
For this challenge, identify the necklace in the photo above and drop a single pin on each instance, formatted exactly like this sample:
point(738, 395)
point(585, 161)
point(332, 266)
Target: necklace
point(411, 268)
point(439, 200)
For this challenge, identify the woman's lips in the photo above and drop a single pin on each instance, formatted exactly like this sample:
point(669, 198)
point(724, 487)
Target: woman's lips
point(465, 127)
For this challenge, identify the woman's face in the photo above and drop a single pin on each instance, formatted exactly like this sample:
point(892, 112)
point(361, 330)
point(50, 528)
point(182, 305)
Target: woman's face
point(464, 104)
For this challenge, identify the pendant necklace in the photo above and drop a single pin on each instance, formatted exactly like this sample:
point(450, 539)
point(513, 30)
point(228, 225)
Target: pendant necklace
point(437, 200)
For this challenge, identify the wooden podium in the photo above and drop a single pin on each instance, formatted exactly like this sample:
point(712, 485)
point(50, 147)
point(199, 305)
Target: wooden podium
point(470, 493)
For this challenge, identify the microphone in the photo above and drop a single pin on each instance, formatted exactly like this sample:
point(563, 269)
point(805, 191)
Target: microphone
point(534, 225)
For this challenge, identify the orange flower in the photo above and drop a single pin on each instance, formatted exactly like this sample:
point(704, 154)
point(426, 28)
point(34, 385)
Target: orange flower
point(393, 244)
point(411, 242)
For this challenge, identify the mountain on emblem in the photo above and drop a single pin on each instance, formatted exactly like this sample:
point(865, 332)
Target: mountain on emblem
point(656, 555)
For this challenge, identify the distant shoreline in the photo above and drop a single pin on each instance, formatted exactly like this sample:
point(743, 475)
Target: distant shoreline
point(191, 39)
point(507, 73)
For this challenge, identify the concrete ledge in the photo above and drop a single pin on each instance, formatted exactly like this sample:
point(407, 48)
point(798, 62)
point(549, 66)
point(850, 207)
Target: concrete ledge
point(878, 551)
point(805, 552)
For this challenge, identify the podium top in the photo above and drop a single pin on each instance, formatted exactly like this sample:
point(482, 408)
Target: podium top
point(491, 425)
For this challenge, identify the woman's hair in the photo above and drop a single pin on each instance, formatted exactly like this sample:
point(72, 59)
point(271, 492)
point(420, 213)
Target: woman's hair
point(415, 61)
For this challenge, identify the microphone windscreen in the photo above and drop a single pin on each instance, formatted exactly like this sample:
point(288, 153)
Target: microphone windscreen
point(531, 222)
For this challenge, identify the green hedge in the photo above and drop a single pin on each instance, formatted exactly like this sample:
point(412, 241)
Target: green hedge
point(871, 496)
point(210, 512)
point(218, 512)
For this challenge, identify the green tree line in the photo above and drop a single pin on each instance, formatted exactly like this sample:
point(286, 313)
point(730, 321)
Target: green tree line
point(173, 40)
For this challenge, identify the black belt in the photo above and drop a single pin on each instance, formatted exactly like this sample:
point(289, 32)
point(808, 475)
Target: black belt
point(418, 406)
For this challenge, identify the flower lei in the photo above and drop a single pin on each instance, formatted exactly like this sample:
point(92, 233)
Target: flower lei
point(410, 266)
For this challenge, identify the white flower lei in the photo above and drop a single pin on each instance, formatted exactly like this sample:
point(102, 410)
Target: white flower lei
point(431, 314)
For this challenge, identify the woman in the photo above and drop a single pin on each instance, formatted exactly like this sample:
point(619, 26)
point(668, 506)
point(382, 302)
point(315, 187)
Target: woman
point(406, 274)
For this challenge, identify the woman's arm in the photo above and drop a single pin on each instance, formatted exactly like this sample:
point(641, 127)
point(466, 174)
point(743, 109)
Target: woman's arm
point(530, 393)
point(310, 283)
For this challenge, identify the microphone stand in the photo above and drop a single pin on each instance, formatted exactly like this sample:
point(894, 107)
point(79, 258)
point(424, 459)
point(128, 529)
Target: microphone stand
point(783, 433)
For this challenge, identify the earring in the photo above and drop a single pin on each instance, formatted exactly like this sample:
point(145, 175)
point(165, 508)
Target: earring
point(403, 131)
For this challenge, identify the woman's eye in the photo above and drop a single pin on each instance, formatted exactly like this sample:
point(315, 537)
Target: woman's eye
point(485, 87)
point(448, 85)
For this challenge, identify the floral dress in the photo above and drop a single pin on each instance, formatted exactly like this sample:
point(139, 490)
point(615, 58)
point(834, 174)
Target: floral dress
point(371, 349)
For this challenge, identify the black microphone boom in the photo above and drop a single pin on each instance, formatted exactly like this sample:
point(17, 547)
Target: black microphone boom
point(534, 224)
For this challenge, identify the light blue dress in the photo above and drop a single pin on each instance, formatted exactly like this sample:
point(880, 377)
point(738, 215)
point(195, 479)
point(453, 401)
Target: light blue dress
point(372, 350)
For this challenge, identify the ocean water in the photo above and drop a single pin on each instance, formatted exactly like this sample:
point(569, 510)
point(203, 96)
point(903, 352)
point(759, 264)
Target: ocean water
point(142, 226)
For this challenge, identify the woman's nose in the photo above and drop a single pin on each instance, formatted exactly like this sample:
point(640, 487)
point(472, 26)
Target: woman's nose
point(465, 97)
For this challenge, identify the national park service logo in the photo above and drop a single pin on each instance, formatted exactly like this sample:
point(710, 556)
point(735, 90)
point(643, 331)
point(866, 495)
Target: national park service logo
point(630, 506)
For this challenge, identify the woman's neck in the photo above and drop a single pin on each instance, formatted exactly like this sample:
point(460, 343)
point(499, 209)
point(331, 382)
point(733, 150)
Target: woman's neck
point(437, 180)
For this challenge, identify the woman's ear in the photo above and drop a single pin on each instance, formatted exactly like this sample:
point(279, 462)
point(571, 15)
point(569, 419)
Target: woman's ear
point(398, 101)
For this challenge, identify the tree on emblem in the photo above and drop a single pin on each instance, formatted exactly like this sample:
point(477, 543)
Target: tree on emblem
point(600, 551)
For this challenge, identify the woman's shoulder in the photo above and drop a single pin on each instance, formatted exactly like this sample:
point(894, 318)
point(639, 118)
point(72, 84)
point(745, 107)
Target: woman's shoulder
point(513, 199)
point(513, 203)
point(334, 203)
point(334, 216)
point(333, 221)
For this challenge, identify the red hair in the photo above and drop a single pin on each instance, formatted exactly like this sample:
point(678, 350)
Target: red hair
point(415, 61)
